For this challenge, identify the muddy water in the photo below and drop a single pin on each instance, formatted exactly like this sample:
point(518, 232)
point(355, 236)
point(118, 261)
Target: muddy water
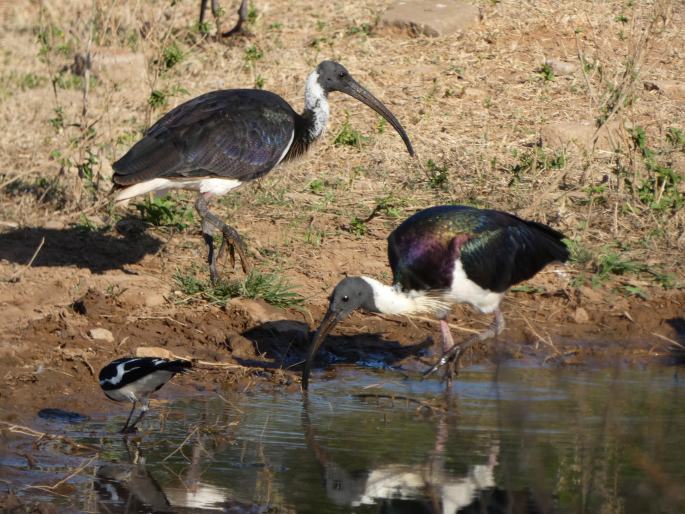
point(513, 439)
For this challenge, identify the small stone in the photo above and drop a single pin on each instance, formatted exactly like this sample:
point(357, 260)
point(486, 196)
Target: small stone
point(561, 68)
point(101, 334)
point(431, 17)
point(154, 352)
point(581, 316)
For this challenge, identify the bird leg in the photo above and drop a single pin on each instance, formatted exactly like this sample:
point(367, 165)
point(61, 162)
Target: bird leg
point(455, 353)
point(231, 239)
point(126, 428)
point(242, 18)
point(203, 8)
point(216, 12)
point(144, 406)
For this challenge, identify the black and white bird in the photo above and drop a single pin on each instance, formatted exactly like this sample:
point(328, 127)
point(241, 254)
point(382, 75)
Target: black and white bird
point(445, 255)
point(134, 379)
point(219, 141)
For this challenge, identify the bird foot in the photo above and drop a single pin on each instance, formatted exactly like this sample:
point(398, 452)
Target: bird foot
point(238, 28)
point(232, 242)
point(454, 354)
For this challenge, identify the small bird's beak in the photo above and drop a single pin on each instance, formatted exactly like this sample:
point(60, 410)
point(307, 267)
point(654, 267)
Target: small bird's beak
point(357, 91)
point(329, 321)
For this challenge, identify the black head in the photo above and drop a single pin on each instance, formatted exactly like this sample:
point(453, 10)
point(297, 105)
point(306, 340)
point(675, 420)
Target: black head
point(350, 294)
point(333, 76)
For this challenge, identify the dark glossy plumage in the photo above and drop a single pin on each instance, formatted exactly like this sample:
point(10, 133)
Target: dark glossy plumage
point(497, 249)
point(127, 370)
point(237, 134)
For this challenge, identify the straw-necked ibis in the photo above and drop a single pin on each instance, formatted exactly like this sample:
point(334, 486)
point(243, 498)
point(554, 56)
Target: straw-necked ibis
point(242, 16)
point(219, 141)
point(445, 255)
point(134, 379)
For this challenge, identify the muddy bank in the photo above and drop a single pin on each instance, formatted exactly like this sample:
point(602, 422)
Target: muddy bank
point(53, 361)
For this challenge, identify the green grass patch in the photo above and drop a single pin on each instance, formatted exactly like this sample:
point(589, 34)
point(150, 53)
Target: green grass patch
point(270, 287)
point(438, 177)
point(348, 136)
point(164, 211)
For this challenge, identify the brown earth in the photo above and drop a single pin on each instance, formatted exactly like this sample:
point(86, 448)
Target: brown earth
point(475, 104)
point(49, 359)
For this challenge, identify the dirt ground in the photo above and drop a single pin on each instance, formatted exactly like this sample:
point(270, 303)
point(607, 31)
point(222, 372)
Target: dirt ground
point(476, 106)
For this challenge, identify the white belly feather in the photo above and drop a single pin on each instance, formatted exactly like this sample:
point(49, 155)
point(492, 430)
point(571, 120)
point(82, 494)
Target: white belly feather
point(141, 388)
point(464, 290)
point(216, 186)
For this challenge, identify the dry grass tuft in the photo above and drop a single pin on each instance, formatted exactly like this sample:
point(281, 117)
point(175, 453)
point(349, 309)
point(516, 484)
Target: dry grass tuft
point(474, 105)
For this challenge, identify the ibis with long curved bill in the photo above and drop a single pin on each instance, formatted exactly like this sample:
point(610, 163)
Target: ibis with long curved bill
point(220, 140)
point(445, 255)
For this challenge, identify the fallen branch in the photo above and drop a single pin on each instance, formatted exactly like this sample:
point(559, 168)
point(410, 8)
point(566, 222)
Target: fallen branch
point(180, 446)
point(669, 340)
point(392, 398)
point(154, 351)
point(23, 430)
point(51, 488)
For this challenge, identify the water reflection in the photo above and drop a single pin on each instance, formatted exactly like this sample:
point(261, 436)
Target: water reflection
point(131, 487)
point(426, 487)
point(515, 441)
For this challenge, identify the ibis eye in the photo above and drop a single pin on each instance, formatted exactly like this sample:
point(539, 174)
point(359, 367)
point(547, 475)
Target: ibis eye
point(341, 74)
point(345, 298)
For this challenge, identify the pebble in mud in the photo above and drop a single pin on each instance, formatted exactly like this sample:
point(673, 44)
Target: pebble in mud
point(101, 334)
point(581, 316)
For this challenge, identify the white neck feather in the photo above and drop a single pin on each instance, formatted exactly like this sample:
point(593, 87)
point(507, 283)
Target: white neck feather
point(392, 300)
point(315, 101)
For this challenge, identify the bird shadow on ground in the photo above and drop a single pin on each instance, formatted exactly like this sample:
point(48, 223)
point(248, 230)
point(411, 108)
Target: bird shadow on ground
point(677, 353)
point(285, 344)
point(95, 250)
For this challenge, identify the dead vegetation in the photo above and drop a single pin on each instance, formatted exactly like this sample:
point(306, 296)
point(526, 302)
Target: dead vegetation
point(83, 80)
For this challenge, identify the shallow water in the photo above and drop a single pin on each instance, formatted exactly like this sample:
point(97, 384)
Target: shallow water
point(512, 439)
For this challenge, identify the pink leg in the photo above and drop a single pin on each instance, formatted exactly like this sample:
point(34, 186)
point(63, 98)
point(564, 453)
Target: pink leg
point(447, 341)
point(454, 352)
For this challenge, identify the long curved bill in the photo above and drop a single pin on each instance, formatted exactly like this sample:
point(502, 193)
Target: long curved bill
point(357, 91)
point(329, 321)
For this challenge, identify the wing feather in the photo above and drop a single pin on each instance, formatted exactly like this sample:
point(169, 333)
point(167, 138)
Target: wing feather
point(497, 249)
point(237, 134)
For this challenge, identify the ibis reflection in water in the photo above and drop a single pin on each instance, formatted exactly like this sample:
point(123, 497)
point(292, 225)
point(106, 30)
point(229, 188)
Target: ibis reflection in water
point(425, 487)
point(445, 255)
point(223, 139)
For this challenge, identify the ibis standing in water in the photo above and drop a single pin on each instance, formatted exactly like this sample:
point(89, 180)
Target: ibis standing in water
point(134, 379)
point(445, 255)
point(219, 141)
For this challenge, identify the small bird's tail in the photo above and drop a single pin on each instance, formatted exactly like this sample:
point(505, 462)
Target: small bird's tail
point(177, 366)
